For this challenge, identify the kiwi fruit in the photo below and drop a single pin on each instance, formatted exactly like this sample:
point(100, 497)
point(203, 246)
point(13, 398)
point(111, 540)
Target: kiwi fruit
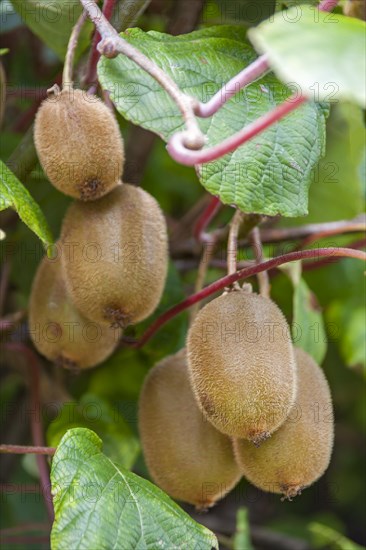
point(186, 456)
point(58, 330)
point(242, 364)
point(79, 144)
point(355, 8)
point(300, 450)
point(115, 255)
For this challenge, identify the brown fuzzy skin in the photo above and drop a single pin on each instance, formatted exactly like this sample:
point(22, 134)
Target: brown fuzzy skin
point(117, 265)
point(58, 330)
point(299, 452)
point(355, 8)
point(242, 365)
point(186, 456)
point(79, 144)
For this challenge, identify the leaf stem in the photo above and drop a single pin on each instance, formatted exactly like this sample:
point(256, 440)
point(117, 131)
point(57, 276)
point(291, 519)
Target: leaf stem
point(248, 75)
point(112, 44)
point(179, 152)
point(244, 274)
point(70, 53)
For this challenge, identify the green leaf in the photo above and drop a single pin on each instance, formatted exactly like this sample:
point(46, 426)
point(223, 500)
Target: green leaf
point(14, 195)
point(120, 444)
point(101, 505)
point(346, 320)
point(4, 51)
point(323, 53)
point(52, 22)
point(242, 536)
point(324, 536)
point(268, 175)
point(308, 330)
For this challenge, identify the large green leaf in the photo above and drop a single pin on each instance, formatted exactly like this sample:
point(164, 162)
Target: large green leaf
point(14, 195)
point(323, 53)
point(101, 505)
point(52, 22)
point(268, 175)
point(120, 444)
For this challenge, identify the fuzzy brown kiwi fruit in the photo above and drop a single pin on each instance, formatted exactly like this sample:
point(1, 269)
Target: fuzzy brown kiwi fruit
point(186, 456)
point(116, 255)
point(355, 8)
point(58, 330)
point(79, 144)
point(242, 364)
point(299, 452)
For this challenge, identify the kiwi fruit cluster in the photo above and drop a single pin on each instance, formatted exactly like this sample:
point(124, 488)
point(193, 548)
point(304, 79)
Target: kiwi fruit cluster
point(238, 387)
point(186, 456)
point(113, 251)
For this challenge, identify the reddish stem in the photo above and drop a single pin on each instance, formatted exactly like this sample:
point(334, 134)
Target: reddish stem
point(25, 527)
point(208, 214)
point(328, 233)
point(327, 5)
point(30, 540)
point(91, 77)
point(244, 274)
point(26, 449)
point(183, 155)
point(36, 425)
point(245, 77)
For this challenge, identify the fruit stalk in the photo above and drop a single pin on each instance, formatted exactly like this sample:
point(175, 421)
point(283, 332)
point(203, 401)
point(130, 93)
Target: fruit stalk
point(70, 53)
point(263, 278)
point(244, 274)
point(232, 244)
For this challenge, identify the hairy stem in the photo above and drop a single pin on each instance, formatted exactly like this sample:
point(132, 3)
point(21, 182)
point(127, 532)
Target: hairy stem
point(208, 214)
point(263, 278)
point(112, 44)
point(204, 264)
point(179, 152)
point(244, 274)
point(248, 75)
point(327, 5)
point(314, 230)
point(91, 77)
point(70, 53)
point(232, 244)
